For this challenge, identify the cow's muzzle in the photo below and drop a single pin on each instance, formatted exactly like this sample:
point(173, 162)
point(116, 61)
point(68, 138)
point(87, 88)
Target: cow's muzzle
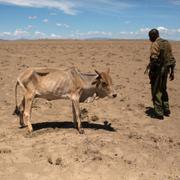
point(113, 95)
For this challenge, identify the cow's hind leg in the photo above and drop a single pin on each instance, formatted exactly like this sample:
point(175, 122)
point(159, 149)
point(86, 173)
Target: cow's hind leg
point(27, 112)
point(21, 113)
point(77, 114)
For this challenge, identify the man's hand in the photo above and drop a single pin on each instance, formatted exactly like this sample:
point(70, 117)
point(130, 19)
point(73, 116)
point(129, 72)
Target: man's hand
point(147, 69)
point(171, 76)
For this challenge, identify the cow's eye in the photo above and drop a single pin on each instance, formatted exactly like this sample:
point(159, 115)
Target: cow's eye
point(104, 84)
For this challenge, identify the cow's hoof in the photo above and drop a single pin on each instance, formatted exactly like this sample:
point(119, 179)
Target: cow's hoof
point(30, 133)
point(30, 130)
point(22, 126)
point(81, 131)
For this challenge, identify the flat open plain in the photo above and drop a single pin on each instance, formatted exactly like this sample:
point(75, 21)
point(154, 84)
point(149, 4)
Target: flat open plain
point(133, 147)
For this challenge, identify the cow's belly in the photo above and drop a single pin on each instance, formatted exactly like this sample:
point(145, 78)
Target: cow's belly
point(51, 96)
point(52, 90)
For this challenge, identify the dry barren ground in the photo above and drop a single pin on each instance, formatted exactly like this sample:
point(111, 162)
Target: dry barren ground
point(133, 147)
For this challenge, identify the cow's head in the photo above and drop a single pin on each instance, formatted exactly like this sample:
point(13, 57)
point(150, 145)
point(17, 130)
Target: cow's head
point(104, 84)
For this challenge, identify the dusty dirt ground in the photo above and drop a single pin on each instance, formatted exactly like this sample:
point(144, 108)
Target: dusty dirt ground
point(133, 147)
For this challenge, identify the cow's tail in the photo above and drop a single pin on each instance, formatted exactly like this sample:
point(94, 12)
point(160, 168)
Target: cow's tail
point(17, 110)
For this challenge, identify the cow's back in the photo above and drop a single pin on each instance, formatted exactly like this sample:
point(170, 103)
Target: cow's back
point(56, 83)
point(51, 83)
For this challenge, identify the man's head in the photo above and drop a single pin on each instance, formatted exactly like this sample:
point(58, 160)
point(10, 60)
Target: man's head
point(153, 34)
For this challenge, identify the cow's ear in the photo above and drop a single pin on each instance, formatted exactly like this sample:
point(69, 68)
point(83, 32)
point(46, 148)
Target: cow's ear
point(94, 82)
point(97, 72)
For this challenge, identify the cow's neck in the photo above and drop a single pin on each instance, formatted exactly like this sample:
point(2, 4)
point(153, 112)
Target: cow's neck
point(89, 89)
point(88, 79)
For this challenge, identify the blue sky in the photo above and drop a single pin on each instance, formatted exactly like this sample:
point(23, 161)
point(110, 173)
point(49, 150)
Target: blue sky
point(79, 19)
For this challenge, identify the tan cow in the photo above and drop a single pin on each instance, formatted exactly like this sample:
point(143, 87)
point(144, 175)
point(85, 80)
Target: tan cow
point(52, 84)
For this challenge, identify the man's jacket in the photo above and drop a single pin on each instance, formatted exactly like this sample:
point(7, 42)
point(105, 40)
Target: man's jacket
point(161, 54)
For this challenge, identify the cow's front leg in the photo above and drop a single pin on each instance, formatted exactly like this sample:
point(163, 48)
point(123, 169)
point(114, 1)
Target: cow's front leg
point(27, 111)
point(78, 115)
point(21, 109)
point(74, 116)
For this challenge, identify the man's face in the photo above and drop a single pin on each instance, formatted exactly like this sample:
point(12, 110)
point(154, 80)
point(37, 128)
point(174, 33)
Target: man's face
point(152, 38)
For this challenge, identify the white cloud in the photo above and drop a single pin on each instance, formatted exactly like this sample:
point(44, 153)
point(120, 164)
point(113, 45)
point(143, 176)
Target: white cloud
point(99, 33)
point(142, 33)
point(32, 17)
point(144, 30)
point(106, 5)
point(163, 29)
point(23, 34)
point(45, 20)
point(165, 32)
point(6, 33)
point(39, 33)
point(58, 24)
point(55, 36)
point(16, 34)
point(20, 32)
point(91, 34)
point(62, 25)
point(66, 26)
point(126, 35)
point(66, 6)
point(71, 7)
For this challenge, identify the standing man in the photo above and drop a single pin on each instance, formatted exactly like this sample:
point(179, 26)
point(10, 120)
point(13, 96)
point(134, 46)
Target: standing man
point(162, 63)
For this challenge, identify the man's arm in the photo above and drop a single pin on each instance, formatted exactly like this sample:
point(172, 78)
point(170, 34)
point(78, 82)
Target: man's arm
point(171, 76)
point(147, 68)
point(172, 64)
point(154, 56)
point(154, 53)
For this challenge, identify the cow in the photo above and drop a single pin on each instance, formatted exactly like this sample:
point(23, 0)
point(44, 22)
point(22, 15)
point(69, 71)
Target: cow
point(54, 83)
